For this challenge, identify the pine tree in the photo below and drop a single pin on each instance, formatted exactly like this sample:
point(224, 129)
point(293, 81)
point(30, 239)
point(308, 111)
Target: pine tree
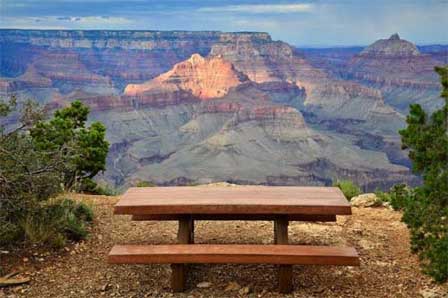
point(426, 210)
point(85, 148)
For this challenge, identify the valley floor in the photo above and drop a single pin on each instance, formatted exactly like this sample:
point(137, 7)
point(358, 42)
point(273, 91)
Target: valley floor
point(388, 269)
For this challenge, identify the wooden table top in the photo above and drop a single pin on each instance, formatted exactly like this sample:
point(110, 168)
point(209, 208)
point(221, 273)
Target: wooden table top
point(278, 200)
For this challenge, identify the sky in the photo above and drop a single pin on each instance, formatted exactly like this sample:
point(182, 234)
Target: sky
point(302, 23)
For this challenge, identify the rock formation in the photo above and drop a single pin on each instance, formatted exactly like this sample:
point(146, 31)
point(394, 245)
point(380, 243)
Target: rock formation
point(205, 78)
point(397, 68)
point(187, 107)
point(391, 47)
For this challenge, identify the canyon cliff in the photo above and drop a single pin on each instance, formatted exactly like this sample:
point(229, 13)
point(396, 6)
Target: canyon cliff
point(204, 78)
point(195, 107)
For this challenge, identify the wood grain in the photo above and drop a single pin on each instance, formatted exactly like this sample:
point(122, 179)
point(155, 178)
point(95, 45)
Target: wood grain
point(233, 253)
point(179, 272)
point(284, 271)
point(233, 200)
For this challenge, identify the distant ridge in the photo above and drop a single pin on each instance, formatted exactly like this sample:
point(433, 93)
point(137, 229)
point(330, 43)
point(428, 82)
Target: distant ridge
point(393, 46)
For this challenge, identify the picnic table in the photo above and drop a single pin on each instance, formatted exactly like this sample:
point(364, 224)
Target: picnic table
point(277, 204)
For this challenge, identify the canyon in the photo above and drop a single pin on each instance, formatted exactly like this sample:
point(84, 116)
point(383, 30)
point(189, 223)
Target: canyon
point(186, 107)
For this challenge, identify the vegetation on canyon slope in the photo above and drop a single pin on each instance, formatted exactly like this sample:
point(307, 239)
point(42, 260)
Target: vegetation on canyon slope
point(38, 160)
point(348, 188)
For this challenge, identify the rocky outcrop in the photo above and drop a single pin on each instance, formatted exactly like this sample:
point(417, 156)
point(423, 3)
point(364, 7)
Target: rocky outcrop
point(326, 98)
point(275, 116)
point(123, 56)
point(397, 68)
point(261, 60)
point(365, 200)
point(188, 107)
point(204, 78)
point(391, 47)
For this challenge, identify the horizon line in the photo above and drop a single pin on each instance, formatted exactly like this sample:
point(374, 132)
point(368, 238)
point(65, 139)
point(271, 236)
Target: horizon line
point(308, 46)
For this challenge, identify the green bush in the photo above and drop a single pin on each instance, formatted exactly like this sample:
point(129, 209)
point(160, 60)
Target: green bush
point(145, 184)
point(348, 188)
point(38, 161)
point(9, 233)
point(56, 222)
point(400, 195)
point(428, 224)
point(425, 209)
point(91, 187)
point(382, 196)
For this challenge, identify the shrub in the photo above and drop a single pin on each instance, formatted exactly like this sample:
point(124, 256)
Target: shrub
point(399, 196)
point(91, 187)
point(382, 196)
point(348, 188)
point(37, 159)
point(55, 223)
point(425, 209)
point(145, 184)
point(9, 233)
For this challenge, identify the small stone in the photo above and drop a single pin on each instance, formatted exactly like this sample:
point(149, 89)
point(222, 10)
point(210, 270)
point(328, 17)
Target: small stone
point(204, 284)
point(105, 288)
point(26, 260)
point(244, 291)
point(232, 286)
point(382, 264)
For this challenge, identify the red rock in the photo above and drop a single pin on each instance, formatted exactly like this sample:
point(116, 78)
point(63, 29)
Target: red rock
point(205, 78)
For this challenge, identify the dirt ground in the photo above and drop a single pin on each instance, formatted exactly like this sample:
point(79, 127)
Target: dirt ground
point(388, 269)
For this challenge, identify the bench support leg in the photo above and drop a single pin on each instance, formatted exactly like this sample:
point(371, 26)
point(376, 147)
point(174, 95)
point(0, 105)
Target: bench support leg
point(185, 235)
point(285, 271)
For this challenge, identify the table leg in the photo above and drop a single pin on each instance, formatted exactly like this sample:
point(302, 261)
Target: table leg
point(275, 232)
point(185, 235)
point(285, 271)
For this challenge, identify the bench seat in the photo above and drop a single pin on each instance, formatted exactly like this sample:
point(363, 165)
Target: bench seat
point(233, 253)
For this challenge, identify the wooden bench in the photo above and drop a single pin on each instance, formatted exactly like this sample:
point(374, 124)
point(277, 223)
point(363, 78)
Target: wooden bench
point(233, 254)
point(278, 204)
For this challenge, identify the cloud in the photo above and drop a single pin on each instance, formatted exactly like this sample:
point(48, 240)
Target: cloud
point(259, 8)
point(67, 22)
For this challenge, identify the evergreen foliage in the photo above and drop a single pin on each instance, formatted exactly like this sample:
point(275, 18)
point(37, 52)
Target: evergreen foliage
point(426, 207)
point(85, 148)
point(37, 158)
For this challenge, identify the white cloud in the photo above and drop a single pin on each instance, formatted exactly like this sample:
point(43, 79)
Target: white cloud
point(65, 22)
point(101, 20)
point(260, 8)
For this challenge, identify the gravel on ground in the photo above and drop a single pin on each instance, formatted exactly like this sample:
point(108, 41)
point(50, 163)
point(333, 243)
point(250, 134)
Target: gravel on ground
point(388, 268)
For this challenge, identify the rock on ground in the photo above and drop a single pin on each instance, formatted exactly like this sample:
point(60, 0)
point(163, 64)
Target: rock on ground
point(365, 200)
